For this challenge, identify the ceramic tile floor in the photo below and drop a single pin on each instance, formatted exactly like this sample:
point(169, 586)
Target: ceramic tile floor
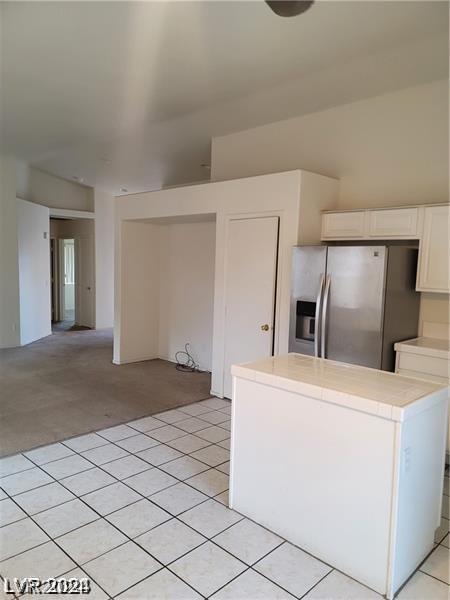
point(141, 510)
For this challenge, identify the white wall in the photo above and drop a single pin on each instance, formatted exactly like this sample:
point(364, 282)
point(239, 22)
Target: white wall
point(42, 188)
point(187, 290)
point(9, 265)
point(137, 317)
point(387, 150)
point(137, 253)
point(104, 259)
point(34, 271)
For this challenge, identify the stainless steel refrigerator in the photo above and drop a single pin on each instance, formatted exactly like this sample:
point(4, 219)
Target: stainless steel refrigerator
point(352, 303)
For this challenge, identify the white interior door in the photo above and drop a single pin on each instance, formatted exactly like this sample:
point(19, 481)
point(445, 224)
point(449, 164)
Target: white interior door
point(85, 292)
point(252, 249)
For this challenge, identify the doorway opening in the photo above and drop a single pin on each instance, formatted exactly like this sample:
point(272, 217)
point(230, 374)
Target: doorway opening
point(72, 274)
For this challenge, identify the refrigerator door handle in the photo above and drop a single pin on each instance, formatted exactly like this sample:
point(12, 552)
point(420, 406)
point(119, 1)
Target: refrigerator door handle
point(318, 329)
point(323, 328)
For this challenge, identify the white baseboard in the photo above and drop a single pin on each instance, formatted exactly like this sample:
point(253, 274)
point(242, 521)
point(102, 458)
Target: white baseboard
point(126, 361)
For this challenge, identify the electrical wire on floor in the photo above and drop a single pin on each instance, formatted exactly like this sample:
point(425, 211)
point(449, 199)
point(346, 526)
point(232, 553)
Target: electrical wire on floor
point(186, 362)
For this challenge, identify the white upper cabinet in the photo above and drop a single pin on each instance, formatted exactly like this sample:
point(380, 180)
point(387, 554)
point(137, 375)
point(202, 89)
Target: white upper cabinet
point(433, 268)
point(343, 225)
point(394, 223)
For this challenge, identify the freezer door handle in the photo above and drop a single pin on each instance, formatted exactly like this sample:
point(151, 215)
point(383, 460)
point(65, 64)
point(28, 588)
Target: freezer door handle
point(323, 328)
point(318, 329)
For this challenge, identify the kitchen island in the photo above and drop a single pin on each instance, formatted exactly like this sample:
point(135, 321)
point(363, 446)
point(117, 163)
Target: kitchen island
point(344, 461)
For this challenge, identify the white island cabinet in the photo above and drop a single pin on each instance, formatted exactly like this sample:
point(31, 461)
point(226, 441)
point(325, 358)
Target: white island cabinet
point(344, 461)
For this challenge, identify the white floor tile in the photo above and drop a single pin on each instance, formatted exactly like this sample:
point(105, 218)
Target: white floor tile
point(292, 569)
point(104, 454)
point(214, 434)
point(119, 432)
point(87, 481)
point(222, 498)
point(3, 495)
point(88, 542)
point(225, 444)
point(121, 568)
point(192, 424)
point(111, 498)
point(194, 409)
point(340, 587)
point(20, 536)
point(43, 562)
point(159, 454)
point(65, 517)
point(226, 409)
point(167, 433)
point(207, 568)
point(188, 443)
point(226, 425)
point(146, 424)
point(423, 587)
point(137, 443)
point(178, 498)
point(10, 512)
point(42, 498)
point(445, 506)
point(210, 482)
point(442, 530)
point(65, 467)
point(151, 481)
point(44, 455)
point(171, 416)
point(216, 403)
point(252, 586)
point(210, 518)
point(437, 564)
point(212, 455)
point(14, 464)
point(248, 541)
point(138, 518)
point(214, 417)
point(163, 585)
point(24, 481)
point(169, 541)
point(95, 592)
point(85, 442)
point(224, 468)
point(126, 466)
point(445, 541)
point(184, 467)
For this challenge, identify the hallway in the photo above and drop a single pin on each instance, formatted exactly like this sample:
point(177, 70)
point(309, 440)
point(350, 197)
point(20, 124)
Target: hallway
point(66, 385)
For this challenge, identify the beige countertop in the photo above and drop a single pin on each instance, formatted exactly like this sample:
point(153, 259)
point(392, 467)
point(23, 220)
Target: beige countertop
point(376, 392)
point(426, 346)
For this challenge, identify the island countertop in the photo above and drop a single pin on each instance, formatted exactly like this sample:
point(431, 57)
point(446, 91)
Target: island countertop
point(381, 393)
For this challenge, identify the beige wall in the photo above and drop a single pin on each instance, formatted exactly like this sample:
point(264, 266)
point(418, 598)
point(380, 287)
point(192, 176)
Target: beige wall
point(104, 259)
point(9, 262)
point(187, 290)
point(386, 150)
point(42, 188)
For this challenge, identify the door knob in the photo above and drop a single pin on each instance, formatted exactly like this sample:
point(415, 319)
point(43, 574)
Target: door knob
point(265, 327)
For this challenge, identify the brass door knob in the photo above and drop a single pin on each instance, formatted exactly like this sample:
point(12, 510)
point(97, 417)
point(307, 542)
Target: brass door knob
point(265, 327)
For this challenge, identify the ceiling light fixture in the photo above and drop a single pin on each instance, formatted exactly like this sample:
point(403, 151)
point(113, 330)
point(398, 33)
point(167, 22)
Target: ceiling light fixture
point(289, 8)
point(122, 189)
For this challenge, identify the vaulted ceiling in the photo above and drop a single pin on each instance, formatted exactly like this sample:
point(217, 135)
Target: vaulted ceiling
point(129, 94)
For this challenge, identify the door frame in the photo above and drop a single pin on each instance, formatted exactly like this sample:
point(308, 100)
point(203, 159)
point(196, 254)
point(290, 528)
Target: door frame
point(278, 277)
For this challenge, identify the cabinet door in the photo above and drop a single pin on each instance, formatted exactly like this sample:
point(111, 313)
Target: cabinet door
point(395, 223)
point(343, 225)
point(433, 271)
